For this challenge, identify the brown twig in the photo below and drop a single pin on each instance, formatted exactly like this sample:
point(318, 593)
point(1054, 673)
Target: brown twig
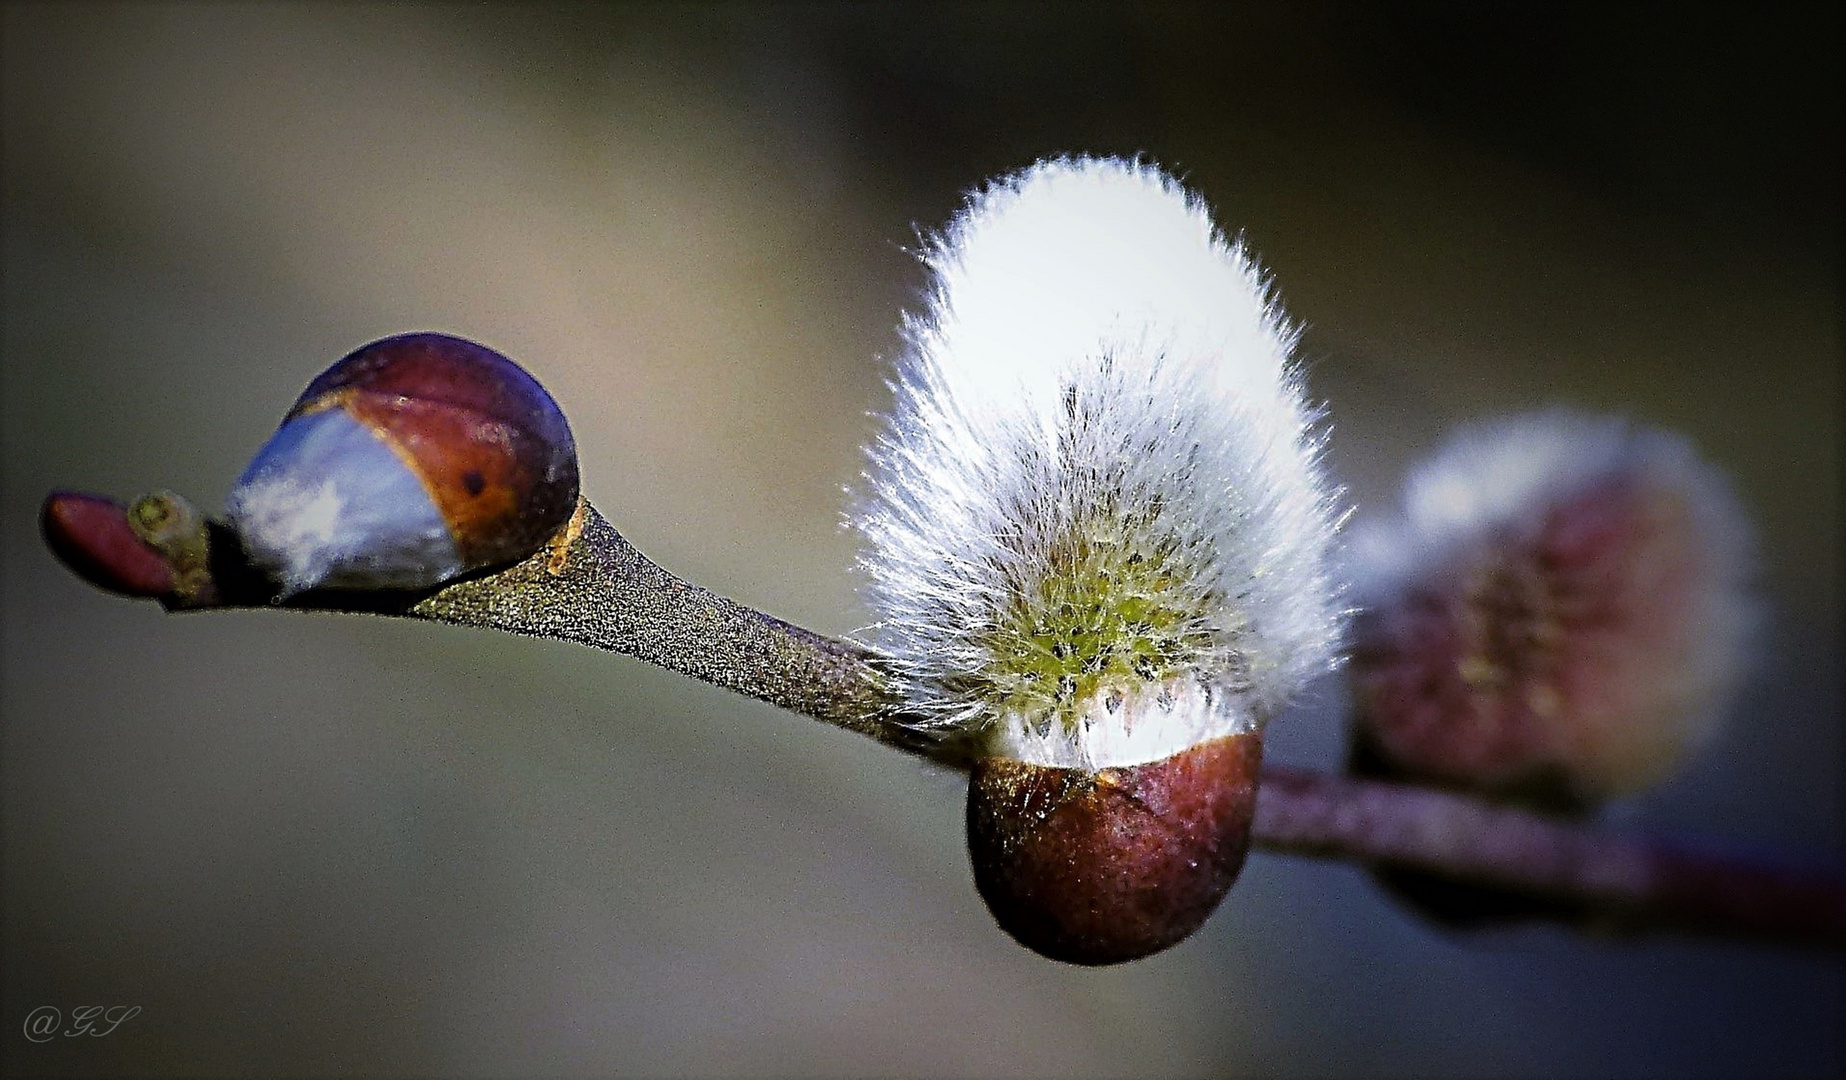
point(592, 587)
point(595, 589)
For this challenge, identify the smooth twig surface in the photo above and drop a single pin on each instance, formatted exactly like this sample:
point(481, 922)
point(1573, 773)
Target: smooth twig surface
point(1612, 882)
point(592, 587)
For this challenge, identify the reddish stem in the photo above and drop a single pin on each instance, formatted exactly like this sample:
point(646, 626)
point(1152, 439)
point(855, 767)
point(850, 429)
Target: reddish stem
point(1612, 881)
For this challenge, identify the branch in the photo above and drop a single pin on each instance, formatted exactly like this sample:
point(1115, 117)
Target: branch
point(595, 589)
point(1612, 882)
point(590, 586)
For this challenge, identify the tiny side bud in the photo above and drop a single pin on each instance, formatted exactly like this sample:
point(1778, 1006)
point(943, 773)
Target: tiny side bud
point(92, 535)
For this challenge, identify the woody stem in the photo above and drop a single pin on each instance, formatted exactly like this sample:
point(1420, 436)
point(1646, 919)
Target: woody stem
point(592, 587)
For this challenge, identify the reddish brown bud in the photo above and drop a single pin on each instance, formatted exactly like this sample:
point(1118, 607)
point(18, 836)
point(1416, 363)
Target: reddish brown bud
point(93, 536)
point(1117, 864)
point(414, 460)
point(490, 444)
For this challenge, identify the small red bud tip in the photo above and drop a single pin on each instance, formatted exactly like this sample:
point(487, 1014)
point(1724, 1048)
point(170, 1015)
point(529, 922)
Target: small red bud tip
point(1103, 867)
point(92, 536)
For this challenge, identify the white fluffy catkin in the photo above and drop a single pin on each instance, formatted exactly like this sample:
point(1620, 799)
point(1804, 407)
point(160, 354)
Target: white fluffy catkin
point(1645, 640)
point(1096, 529)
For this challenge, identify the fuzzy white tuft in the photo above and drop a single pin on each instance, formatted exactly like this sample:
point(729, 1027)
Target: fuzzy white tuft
point(1504, 475)
point(327, 503)
point(1099, 484)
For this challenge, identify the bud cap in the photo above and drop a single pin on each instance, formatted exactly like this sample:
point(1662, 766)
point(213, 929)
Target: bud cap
point(415, 459)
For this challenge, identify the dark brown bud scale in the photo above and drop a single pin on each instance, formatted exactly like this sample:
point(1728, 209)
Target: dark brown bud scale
point(1113, 865)
point(489, 443)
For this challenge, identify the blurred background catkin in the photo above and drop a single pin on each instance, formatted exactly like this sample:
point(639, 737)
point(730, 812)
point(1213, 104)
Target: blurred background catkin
point(310, 845)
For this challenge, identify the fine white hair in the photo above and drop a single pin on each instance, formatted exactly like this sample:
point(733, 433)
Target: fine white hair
point(1100, 383)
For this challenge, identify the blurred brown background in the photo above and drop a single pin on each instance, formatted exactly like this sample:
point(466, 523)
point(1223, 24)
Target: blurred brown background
point(310, 845)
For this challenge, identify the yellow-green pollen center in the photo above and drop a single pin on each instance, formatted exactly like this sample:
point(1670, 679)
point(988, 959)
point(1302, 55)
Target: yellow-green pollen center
point(1113, 609)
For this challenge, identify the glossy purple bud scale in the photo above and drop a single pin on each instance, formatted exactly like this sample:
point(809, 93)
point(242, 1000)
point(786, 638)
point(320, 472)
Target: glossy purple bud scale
point(413, 460)
point(1117, 864)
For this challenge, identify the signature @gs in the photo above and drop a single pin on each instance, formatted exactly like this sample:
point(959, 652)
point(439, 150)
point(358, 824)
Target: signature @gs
point(45, 1022)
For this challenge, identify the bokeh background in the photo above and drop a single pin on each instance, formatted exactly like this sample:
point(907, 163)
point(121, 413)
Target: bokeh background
point(312, 845)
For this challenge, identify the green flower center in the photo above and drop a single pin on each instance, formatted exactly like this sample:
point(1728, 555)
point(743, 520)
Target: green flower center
point(1111, 609)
